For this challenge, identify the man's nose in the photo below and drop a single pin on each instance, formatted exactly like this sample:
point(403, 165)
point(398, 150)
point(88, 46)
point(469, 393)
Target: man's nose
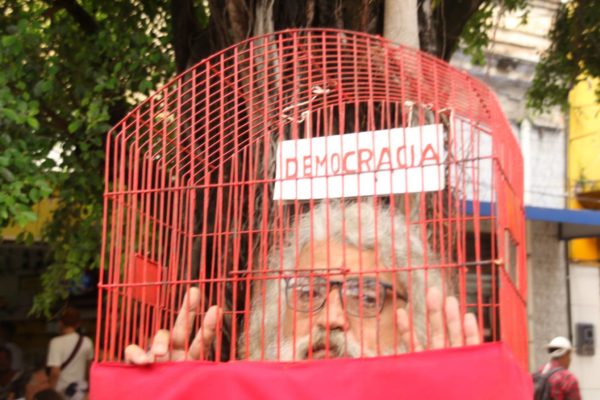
point(333, 315)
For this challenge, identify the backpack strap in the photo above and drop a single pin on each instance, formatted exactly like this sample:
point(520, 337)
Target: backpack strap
point(546, 388)
point(548, 374)
point(73, 353)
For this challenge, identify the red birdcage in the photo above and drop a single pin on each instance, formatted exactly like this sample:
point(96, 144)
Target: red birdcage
point(294, 192)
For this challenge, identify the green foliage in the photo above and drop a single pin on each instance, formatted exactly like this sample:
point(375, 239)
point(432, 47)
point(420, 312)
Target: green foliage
point(64, 81)
point(66, 77)
point(574, 54)
point(476, 34)
point(23, 182)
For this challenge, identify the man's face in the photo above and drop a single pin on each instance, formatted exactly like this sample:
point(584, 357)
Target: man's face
point(568, 359)
point(360, 322)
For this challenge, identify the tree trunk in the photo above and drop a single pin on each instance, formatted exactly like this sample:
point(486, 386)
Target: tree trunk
point(427, 33)
point(401, 24)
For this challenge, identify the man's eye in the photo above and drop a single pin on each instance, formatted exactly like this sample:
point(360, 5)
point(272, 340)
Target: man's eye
point(369, 300)
point(306, 293)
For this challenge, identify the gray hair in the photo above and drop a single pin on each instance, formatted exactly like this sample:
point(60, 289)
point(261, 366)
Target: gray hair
point(362, 224)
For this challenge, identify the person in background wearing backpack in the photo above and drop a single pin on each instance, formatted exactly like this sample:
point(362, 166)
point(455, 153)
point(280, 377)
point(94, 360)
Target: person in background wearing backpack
point(554, 381)
point(69, 358)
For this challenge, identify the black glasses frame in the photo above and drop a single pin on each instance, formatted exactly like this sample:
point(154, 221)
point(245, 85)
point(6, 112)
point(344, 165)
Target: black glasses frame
point(340, 285)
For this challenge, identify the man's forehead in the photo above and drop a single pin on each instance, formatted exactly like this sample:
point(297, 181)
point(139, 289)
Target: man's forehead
point(321, 248)
point(334, 256)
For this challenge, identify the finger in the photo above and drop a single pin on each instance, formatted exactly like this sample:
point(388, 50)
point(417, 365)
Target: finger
point(160, 345)
point(453, 322)
point(185, 318)
point(176, 355)
point(206, 334)
point(410, 341)
point(436, 318)
point(472, 336)
point(134, 354)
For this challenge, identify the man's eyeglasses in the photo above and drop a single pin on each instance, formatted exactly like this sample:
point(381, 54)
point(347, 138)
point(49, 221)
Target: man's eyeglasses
point(361, 297)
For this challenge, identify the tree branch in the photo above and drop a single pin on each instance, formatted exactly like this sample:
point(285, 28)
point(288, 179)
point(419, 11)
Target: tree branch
point(183, 25)
point(86, 22)
point(57, 121)
point(450, 18)
point(237, 12)
point(427, 30)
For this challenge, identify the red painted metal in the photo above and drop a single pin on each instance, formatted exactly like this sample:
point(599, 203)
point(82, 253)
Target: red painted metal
point(190, 177)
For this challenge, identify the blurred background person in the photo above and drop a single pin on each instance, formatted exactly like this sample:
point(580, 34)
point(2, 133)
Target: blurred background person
point(554, 381)
point(11, 381)
point(69, 357)
point(7, 333)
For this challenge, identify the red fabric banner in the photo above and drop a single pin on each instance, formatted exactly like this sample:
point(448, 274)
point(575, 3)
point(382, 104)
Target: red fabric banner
point(488, 371)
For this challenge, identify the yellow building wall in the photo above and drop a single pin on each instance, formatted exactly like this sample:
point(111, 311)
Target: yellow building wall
point(584, 162)
point(44, 211)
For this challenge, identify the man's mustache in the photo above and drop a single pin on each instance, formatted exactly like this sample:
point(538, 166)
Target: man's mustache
point(332, 343)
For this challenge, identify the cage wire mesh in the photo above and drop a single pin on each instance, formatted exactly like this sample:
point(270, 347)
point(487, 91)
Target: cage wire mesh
point(309, 183)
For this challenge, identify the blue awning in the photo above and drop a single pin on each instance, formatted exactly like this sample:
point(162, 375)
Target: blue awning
point(574, 224)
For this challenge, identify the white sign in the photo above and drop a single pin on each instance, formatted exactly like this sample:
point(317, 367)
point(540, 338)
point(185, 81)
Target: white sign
point(382, 162)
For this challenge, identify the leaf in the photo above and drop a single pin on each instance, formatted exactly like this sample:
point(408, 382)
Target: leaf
point(28, 238)
point(33, 122)
point(48, 163)
point(11, 114)
point(25, 217)
point(74, 126)
point(5, 139)
point(41, 87)
point(34, 194)
point(8, 40)
point(6, 174)
point(144, 86)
